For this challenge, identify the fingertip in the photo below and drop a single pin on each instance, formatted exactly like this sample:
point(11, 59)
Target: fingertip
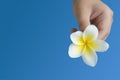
point(103, 35)
point(102, 38)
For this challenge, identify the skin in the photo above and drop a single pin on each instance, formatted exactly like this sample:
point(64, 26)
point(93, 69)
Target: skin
point(93, 12)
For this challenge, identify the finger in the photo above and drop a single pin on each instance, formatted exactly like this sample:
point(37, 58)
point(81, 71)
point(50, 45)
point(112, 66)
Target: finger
point(105, 25)
point(84, 20)
point(103, 35)
point(73, 30)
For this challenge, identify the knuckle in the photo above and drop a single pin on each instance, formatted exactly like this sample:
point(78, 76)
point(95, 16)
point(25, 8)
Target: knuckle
point(111, 12)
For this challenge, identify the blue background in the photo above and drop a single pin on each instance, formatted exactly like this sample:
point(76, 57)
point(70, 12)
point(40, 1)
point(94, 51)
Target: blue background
point(34, 40)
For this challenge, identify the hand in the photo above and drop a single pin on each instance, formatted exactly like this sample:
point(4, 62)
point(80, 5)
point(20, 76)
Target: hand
point(93, 12)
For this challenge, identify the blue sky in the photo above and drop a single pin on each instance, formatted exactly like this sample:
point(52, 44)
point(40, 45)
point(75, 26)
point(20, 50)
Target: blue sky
point(34, 41)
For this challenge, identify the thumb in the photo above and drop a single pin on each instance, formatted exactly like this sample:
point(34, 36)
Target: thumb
point(83, 21)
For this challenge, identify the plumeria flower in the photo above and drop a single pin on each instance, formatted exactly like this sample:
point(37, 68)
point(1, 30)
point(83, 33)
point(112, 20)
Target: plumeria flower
point(86, 44)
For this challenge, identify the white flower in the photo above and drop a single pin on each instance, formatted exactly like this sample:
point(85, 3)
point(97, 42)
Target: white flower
point(86, 44)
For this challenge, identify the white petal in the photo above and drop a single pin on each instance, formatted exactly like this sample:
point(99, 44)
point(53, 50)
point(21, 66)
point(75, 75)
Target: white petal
point(90, 33)
point(75, 51)
point(76, 37)
point(100, 46)
point(90, 57)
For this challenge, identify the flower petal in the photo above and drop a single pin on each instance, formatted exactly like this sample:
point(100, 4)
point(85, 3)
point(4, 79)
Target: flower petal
point(89, 57)
point(75, 51)
point(90, 33)
point(76, 38)
point(99, 45)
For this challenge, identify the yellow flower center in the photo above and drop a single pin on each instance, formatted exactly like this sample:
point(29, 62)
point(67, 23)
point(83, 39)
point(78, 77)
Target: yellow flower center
point(85, 43)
